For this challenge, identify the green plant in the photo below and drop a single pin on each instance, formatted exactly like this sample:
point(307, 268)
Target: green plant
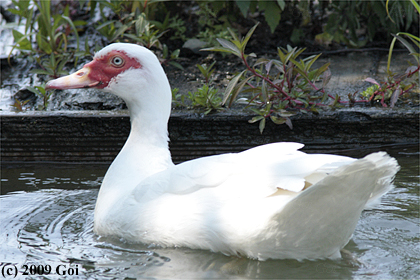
point(272, 10)
point(399, 36)
point(396, 85)
point(51, 35)
point(166, 58)
point(144, 32)
point(43, 94)
point(206, 97)
point(280, 87)
point(214, 17)
point(51, 66)
point(206, 71)
point(178, 99)
point(134, 26)
point(178, 26)
point(138, 29)
point(19, 105)
point(357, 22)
point(210, 35)
point(124, 7)
point(210, 14)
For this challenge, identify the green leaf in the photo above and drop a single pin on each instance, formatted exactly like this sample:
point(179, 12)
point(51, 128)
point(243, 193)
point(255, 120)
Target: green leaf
point(41, 89)
point(16, 12)
point(238, 89)
point(262, 125)
point(322, 69)
point(230, 46)
point(235, 39)
point(387, 10)
point(282, 4)
point(326, 76)
point(261, 61)
point(297, 36)
point(105, 24)
point(314, 110)
point(243, 6)
point(73, 25)
point(303, 73)
point(407, 45)
point(305, 102)
point(299, 52)
point(175, 53)
point(230, 87)
point(29, 22)
point(247, 37)
point(256, 118)
point(391, 48)
point(287, 114)
point(120, 32)
point(21, 40)
point(264, 91)
point(277, 120)
point(202, 69)
point(272, 15)
point(309, 65)
point(42, 72)
point(288, 56)
point(35, 91)
point(281, 55)
point(43, 44)
point(413, 38)
point(416, 5)
point(176, 64)
point(289, 123)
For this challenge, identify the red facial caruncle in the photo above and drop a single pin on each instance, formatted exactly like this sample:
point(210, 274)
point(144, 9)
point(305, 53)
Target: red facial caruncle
point(97, 73)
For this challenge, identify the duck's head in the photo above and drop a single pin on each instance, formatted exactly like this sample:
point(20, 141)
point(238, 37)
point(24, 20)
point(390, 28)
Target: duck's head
point(129, 71)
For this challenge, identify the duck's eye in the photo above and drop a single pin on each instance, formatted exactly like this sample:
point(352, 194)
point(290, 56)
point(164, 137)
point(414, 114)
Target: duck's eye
point(117, 61)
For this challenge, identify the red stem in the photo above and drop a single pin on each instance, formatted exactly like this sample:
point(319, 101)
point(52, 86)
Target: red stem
point(264, 78)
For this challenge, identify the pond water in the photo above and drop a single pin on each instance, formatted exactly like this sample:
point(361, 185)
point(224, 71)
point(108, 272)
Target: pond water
point(47, 220)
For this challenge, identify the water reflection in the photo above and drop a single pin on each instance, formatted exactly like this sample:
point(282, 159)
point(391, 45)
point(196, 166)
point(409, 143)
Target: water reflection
point(47, 219)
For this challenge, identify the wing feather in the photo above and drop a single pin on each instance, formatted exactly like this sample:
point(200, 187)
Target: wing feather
point(257, 172)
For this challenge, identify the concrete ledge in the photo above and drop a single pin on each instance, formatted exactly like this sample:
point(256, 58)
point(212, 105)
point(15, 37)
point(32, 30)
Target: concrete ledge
point(97, 136)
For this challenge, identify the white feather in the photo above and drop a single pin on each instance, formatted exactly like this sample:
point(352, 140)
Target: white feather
point(271, 201)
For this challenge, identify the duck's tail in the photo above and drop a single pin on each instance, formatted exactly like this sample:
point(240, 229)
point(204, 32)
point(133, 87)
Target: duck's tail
point(386, 167)
point(320, 221)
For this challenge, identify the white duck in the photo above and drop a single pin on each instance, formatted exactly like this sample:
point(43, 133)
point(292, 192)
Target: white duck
point(271, 201)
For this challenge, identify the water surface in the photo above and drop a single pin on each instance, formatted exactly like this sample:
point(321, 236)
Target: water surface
point(46, 213)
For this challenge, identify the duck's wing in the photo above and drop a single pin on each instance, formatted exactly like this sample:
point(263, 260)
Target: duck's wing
point(257, 172)
point(319, 221)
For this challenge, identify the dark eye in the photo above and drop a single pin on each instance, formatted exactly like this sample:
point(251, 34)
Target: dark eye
point(117, 61)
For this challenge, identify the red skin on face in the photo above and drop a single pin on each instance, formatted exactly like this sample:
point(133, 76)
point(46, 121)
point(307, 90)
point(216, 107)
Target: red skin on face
point(103, 69)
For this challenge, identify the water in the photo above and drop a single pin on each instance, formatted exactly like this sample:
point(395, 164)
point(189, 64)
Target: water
point(47, 219)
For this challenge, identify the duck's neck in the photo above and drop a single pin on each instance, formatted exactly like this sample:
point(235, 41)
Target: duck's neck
point(144, 153)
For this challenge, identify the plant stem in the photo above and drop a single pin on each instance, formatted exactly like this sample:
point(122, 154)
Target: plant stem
point(264, 78)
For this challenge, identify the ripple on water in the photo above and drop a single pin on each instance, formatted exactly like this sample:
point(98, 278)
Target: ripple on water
point(53, 227)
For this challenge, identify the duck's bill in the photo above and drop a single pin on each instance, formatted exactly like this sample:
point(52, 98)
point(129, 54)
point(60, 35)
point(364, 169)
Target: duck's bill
point(79, 79)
